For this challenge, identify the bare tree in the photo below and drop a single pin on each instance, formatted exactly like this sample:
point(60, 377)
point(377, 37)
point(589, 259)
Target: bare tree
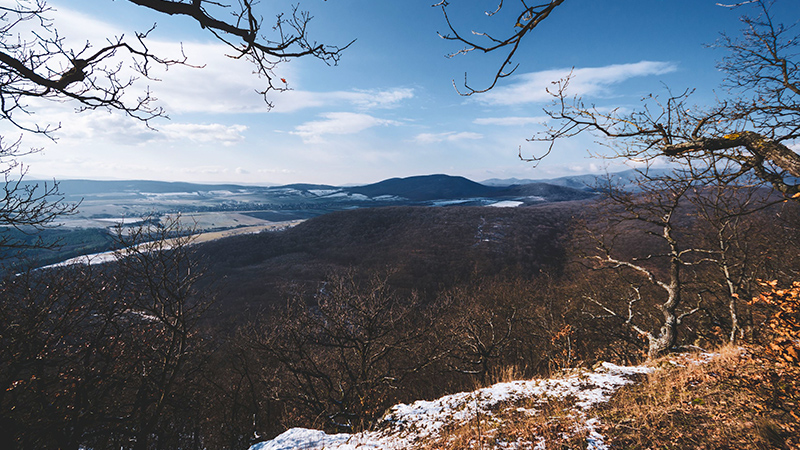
point(25, 208)
point(730, 226)
point(350, 350)
point(45, 67)
point(105, 356)
point(157, 272)
point(484, 327)
point(57, 347)
point(749, 134)
point(654, 211)
point(521, 22)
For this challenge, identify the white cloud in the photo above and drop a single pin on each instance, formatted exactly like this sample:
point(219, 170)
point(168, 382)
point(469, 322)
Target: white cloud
point(511, 121)
point(369, 99)
point(103, 126)
point(295, 100)
point(450, 136)
point(214, 133)
point(77, 27)
point(99, 126)
point(532, 87)
point(337, 123)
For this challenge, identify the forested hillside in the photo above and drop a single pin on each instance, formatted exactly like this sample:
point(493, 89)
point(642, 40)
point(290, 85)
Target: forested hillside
point(329, 323)
point(426, 249)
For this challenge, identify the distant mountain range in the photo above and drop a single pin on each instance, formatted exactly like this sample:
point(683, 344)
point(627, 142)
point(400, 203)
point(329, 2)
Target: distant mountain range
point(581, 182)
point(133, 196)
point(423, 187)
point(414, 189)
point(220, 208)
point(217, 207)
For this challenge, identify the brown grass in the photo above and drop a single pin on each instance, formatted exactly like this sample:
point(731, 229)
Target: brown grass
point(505, 374)
point(716, 405)
point(550, 421)
point(737, 400)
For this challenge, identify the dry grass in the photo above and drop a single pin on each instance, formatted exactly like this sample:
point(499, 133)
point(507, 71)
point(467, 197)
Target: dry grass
point(721, 404)
point(544, 424)
point(736, 400)
point(505, 374)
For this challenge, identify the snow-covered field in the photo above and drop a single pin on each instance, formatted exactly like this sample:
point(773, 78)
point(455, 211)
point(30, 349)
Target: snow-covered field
point(105, 257)
point(507, 204)
point(409, 426)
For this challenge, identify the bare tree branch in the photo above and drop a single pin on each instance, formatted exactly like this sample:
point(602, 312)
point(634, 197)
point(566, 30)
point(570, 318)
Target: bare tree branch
point(526, 19)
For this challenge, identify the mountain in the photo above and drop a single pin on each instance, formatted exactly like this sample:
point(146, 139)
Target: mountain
point(218, 208)
point(547, 192)
point(85, 188)
point(444, 187)
point(584, 182)
point(102, 201)
point(428, 187)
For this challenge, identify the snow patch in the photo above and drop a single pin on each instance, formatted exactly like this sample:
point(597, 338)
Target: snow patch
point(323, 192)
point(347, 195)
point(303, 438)
point(454, 202)
point(388, 197)
point(88, 260)
point(507, 204)
point(157, 195)
point(408, 426)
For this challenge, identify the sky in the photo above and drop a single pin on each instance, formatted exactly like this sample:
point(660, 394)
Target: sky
point(389, 108)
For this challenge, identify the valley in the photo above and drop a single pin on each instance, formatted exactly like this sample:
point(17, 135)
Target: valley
point(217, 207)
point(215, 211)
point(328, 309)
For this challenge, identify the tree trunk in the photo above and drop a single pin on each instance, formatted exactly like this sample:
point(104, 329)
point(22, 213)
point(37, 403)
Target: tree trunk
point(668, 336)
point(659, 345)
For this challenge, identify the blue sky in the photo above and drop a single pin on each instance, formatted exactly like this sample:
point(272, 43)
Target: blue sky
point(389, 108)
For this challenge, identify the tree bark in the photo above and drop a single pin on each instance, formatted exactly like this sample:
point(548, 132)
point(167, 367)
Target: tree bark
point(761, 146)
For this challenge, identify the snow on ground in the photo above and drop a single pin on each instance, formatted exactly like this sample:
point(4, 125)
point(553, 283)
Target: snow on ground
point(454, 202)
point(109, 256)
point(323, 192)
point(407, 426)
point(507, 204)
point(347, 195)
point(93, 259)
